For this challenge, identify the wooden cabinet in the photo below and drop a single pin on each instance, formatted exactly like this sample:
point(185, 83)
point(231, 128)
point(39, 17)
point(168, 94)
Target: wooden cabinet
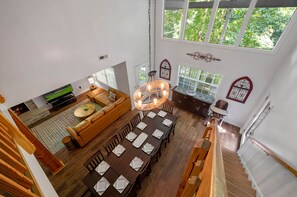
point(190, 103)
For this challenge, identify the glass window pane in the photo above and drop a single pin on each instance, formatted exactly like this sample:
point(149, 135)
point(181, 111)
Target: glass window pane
point(266, 25)
point(101, 76)
point(198, 17)
point(228, 21)
point(173, 14)
point(111, 77)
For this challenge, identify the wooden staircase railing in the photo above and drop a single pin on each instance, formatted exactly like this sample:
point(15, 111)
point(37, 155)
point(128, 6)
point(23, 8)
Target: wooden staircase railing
point(273, 155)
point(41, 153)
point(15, 177)
point(204, 175)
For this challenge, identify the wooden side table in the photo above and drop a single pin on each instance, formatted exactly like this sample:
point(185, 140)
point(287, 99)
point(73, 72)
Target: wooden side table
point(67, 141)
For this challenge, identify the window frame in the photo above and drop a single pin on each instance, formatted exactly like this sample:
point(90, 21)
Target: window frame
point(248, 90)
point(240, 35)
point(197, 80)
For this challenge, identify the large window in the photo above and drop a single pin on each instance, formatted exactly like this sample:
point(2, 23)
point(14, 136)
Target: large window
point(173, 14)
point(239, 23)
point(107, 76)
point(199, 80)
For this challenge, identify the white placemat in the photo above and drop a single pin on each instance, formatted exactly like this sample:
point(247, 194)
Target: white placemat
point(141, 125)
point(121, 183)
point(162, 113)
point(136, 163)
point(157, 134)
point(139, 140)
point(131, 136)
point(118, 150)
point(102, 167)
point(101, 186)
point(167, 122)
point(148, 148)
point(151, 114)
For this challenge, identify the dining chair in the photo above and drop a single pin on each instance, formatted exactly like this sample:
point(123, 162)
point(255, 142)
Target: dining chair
point(94, 161)
point(111, 144)
point(144, 113)
point(135, 120)
point(167, 106)
point(124, 131)
point(145, 171)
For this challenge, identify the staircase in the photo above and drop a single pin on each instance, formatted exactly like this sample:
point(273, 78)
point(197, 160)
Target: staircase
point(236, 178)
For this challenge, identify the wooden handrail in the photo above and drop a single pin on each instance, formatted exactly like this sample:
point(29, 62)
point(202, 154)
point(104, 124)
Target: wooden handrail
point(206, 164)
point(213, 175)
point(273, 155)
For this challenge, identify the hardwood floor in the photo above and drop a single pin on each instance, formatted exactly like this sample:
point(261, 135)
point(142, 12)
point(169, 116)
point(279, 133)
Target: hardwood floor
point(166, 173)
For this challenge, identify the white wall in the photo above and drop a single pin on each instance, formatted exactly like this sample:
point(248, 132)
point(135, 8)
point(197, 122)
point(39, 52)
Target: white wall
point(269, 177)
point(259, 67)
point(277, 132)
point(47, 44)
point(120, 72)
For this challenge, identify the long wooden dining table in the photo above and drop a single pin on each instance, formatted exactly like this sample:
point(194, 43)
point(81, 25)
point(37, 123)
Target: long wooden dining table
point(120, 165)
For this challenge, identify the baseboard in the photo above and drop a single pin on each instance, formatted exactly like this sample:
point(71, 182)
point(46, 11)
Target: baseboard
point(254, 184)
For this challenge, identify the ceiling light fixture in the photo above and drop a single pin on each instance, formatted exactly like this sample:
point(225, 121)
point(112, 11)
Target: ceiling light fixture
point(155, 92)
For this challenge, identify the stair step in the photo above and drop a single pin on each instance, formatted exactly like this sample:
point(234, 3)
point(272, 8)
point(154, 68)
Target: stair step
point(235, 166)
point(230, 194)
point(242, 186)
point(239, 192)
point(230, 155)
point(233, 162)
point(238, 179)
point(235, 172)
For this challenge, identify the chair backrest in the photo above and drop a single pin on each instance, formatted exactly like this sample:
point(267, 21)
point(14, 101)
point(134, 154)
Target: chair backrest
point(124, 131)
point(135, 120)
point(111, 144)
point(168, 107)
point(222, 104)
point(94, 161)
point(144, 113)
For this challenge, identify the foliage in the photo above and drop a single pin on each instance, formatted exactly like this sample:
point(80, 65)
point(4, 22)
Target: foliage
point(263, 31)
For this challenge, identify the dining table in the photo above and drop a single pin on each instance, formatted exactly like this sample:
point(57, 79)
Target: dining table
point(121, 164)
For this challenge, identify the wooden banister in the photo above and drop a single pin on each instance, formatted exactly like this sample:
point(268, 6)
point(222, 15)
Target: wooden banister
point(209, 169)
point(273, 155)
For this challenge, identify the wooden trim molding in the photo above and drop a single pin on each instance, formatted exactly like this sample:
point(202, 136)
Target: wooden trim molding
point(41, 153)
point(273, 155)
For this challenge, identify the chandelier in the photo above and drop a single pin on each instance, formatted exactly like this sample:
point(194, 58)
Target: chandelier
point(155, 92)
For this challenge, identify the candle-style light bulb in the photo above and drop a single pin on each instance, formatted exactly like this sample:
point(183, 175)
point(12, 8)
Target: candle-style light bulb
point(139, 103)
point(149, 87)
point(155, 101)
point(164, 92)
point(139, 94)
point(162, 86)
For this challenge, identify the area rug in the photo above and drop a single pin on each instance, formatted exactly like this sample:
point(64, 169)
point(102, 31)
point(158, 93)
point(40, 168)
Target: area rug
point(51, 132)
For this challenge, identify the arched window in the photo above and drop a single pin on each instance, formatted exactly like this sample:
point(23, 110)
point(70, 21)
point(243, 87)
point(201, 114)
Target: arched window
point(240, 89)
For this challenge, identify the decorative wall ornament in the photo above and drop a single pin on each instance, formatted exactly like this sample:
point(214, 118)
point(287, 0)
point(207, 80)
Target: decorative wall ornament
point(240, 89)
point(200, 56)
point(165, 69)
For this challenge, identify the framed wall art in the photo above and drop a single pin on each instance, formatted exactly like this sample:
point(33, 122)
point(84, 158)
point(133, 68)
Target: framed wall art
point(240, 89)
point(165, 69)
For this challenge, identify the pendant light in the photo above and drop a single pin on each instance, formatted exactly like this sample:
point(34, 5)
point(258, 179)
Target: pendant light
point(155, 92)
